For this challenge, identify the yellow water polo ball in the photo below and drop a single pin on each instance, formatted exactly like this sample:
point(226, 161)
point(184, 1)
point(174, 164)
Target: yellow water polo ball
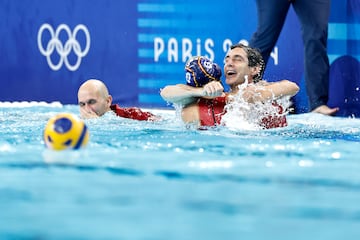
point(65, 131)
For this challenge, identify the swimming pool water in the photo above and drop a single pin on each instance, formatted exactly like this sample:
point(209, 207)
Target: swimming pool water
point(159, 180)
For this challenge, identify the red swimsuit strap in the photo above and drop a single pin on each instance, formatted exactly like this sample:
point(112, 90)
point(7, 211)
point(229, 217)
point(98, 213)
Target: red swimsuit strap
point(211, 110)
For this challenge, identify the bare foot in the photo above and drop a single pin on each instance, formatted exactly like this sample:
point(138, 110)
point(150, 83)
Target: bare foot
point(323, 109)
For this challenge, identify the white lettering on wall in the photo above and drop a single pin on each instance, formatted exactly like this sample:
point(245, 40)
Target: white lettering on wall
point(172, 49)
point(226, 45)
point(209, 44)
point(159, 47)
point(186, 49)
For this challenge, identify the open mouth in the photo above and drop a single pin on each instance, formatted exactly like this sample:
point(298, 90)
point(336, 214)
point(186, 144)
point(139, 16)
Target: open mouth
point(230, 73)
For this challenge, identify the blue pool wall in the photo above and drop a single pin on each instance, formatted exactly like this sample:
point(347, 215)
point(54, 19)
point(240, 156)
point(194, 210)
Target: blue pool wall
point(48, 48)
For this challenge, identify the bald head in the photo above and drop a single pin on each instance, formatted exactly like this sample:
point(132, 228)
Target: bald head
point(93, 98)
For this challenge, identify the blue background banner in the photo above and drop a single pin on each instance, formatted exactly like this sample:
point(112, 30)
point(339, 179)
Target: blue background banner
point(48, 48)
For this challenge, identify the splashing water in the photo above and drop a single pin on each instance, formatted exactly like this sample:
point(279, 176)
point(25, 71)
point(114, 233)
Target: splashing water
point(243, 115)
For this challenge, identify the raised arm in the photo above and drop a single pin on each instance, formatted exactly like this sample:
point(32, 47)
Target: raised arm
point(184, 94)
point(270, 91)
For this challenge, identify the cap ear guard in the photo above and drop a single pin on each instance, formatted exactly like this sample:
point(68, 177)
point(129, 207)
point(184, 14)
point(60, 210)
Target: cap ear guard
point(200, 70)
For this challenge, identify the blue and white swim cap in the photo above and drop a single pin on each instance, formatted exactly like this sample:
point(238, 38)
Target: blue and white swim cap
point(200, 70)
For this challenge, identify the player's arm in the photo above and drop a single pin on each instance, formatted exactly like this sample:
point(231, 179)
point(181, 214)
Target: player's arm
point(270, 91)
point(185, 94)
point(180, 94)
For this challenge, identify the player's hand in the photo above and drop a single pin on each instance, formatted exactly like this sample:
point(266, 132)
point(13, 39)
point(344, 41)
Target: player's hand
point(86, 113)
point(213, 89)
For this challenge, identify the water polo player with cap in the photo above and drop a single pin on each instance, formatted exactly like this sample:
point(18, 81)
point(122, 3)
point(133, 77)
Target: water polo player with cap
point(199, 71)
point(204, 101)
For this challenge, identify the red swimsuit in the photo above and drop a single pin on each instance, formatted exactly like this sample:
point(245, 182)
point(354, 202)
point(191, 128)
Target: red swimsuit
point(212, 110)
point(132, 112)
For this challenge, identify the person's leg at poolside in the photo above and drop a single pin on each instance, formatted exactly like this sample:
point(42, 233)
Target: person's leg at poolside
point(313, 16)
point(271, 18)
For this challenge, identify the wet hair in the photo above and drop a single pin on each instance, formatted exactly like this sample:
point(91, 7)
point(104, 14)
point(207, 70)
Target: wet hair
point(254, 58)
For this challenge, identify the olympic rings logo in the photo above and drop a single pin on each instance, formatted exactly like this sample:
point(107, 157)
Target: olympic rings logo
point(63, 50)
